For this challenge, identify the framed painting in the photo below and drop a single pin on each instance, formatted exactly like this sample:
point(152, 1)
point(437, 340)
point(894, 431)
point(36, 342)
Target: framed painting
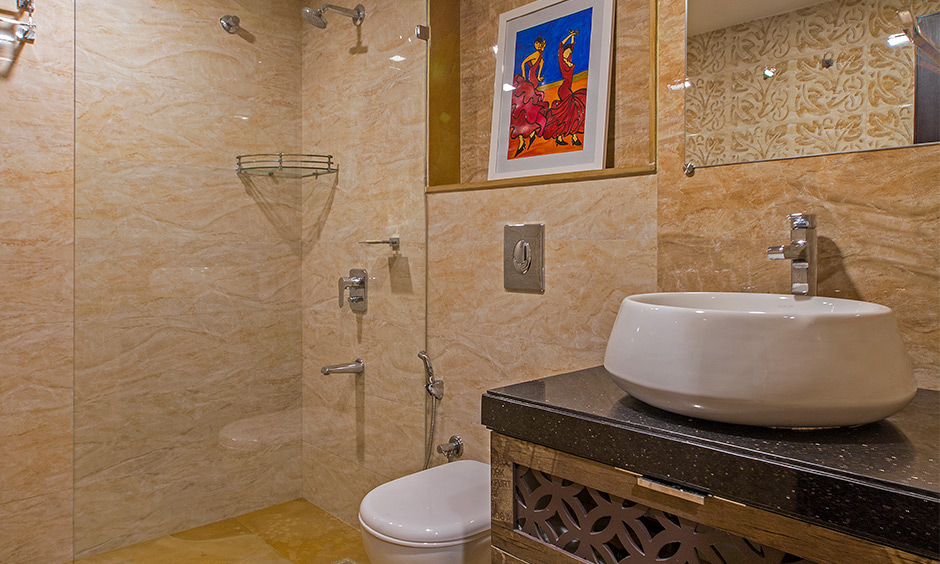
point(551, 92)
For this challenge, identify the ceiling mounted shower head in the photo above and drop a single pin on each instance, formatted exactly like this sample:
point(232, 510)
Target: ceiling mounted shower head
point(315, 17)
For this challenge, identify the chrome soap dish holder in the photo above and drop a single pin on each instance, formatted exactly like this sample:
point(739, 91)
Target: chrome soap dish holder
point(285, 165)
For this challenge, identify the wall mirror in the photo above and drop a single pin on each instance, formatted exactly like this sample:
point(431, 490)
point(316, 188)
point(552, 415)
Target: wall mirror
point(787, 78)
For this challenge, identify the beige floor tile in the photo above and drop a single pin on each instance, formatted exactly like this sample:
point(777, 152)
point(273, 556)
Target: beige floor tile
point(306, 534)
point(295, 532)
point(223, 542)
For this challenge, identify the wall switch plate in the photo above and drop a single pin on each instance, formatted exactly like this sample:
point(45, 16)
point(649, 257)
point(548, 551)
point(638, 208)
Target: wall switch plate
point(524, 258)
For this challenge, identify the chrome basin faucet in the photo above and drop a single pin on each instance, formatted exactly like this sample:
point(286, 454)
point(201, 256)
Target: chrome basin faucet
point(801, 251)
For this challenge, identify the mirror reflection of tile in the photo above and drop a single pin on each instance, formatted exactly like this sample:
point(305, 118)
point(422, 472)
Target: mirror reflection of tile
point(794, 84)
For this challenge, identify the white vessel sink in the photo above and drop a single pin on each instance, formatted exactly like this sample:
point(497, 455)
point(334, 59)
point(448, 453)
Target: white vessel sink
point(761, 359)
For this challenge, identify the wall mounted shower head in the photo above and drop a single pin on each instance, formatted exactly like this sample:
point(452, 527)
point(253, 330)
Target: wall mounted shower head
point(316, 18)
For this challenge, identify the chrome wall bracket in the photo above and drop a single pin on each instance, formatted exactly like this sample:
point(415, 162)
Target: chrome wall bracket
point(230, 23)
point(393, 242)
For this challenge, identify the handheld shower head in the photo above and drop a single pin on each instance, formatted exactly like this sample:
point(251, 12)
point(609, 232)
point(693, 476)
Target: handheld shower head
point(315, 17)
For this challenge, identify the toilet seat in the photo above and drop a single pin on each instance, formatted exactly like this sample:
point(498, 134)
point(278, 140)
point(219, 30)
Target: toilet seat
point(413, 544)
point(440, 506)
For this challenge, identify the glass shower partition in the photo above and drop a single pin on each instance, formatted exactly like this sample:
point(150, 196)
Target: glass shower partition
point(205, 298)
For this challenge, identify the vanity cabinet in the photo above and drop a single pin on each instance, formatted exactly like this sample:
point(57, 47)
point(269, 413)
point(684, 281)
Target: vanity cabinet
point(552, 508)
point(589, 474)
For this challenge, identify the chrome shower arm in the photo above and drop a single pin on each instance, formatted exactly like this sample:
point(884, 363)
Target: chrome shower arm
point(348, 12)
point(357, 14)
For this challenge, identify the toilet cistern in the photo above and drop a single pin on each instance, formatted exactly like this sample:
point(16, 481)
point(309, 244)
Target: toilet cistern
point(801, 252)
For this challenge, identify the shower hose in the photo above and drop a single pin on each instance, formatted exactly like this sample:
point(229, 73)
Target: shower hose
point(429, 445)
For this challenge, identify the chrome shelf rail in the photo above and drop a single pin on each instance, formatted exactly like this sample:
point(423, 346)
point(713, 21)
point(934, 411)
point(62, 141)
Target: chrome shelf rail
point(285, 165)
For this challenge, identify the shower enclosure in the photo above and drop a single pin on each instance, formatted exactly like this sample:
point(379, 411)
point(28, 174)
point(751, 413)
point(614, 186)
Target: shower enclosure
point(204, 298)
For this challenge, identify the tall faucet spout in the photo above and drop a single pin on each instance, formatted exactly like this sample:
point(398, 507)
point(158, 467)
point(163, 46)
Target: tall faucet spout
point(801, 251)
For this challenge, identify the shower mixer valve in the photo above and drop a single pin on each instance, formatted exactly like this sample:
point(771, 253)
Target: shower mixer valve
point(357, 283)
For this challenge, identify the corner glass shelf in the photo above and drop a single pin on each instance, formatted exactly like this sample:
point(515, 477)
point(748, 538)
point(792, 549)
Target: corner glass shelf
point(285, 165)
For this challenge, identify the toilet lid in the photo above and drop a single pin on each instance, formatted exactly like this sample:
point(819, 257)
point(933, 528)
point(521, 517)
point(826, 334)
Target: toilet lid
point(444, 503)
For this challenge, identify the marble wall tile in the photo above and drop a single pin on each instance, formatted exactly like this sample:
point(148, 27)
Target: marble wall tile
point(472, 363)
point(188, 124)
point(187, 275)
point(125, 200)
point(137, 38)
point(35, 294)
point(585, 280)
point(127, 279)
point(381, 435)
point(337, 484)
point(191, 376)
point(35, 410)
point(364, 103)
point(36, 282)
point(36, 207)
point(37, 530)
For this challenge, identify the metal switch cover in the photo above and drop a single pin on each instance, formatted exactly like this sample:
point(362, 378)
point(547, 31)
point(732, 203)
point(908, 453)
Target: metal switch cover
point(523, 258)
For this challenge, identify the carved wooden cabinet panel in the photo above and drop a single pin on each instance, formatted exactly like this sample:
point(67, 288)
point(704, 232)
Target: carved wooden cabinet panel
point(601, 528)
point(554, 508)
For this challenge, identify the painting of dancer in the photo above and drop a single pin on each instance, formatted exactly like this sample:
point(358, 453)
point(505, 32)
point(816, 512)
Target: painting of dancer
point(551, 89)
point(549, 106)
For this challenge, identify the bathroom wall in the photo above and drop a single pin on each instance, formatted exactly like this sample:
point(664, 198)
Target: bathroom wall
point(364, 103)
point(187, 289)
point(878, 216)
point(864, 100)
point(36, 292)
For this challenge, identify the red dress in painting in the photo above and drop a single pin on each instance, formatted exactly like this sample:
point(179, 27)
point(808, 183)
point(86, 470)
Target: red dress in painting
point(528, 105)
point(566, 116)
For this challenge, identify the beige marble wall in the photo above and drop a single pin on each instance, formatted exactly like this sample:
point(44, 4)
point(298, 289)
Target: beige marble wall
point(608, 239)
point(187, 288)
point(368, 110)
point(36, 292)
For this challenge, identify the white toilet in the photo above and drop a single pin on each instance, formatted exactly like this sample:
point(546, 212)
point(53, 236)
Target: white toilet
point(436, 516)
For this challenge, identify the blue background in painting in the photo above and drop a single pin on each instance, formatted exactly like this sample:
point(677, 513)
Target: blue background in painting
point(553, 32)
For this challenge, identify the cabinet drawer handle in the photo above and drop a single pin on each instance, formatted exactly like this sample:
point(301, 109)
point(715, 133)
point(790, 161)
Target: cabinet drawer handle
point(674, 491)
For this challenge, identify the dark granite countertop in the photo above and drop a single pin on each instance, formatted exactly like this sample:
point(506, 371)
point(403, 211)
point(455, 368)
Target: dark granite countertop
point(879, 481)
